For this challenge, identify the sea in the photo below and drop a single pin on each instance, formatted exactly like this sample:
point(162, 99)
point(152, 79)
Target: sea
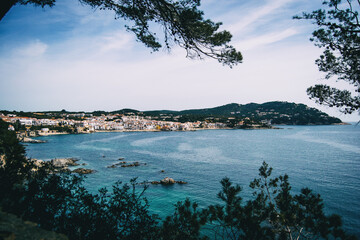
point(325, 159)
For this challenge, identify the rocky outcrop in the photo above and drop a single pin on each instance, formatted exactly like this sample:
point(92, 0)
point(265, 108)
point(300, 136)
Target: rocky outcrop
point(181, 182)
point(83, 171)
point(167, 181)
point(31, 140)
point(124, 164)
point(37, 162)
point(61, 165)
point(12, 227)
point(134, 164)
point(64, 162)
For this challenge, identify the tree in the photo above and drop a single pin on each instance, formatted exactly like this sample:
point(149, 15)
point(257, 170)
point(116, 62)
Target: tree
point(182, 22)
point(14, 167)
point(274, 213)
point(338, 33)
point(185, 223)
point(235, 220)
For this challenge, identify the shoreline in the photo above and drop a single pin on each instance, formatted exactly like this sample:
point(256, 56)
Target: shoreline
point(32, 140)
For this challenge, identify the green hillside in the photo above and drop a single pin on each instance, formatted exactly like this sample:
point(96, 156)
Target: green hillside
point(272, 112)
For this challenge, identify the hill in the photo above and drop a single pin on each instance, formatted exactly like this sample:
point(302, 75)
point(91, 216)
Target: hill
point(271, 112)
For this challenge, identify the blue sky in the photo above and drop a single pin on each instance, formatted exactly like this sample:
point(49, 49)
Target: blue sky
point(76, 58)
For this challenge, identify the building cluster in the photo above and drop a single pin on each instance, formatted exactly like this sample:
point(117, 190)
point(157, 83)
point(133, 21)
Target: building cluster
point(117, 122)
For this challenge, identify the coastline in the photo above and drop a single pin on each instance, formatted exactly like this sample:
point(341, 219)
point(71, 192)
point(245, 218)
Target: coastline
point(33, 140)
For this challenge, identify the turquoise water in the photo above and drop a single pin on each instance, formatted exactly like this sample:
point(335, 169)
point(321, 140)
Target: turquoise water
point(323, 158)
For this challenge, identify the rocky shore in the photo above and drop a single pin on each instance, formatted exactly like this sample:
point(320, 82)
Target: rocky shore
point(31, 140)
point(83, 171)
point(63, 164)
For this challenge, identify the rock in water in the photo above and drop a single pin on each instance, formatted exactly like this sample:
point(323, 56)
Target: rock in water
point(167, 180)
point(83, 171)
point(64, 162)
point(181, 182)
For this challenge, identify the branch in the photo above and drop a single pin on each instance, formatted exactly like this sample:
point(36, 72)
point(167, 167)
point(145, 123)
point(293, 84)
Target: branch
point(5, 7)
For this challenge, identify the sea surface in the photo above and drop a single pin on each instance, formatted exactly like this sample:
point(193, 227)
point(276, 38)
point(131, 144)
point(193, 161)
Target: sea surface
point(323, 158)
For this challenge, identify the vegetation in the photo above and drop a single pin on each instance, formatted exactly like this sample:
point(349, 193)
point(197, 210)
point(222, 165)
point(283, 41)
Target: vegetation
point(60, 203)
point(182, 22)
point(274, 112)
point(338, 33)
point(274, 213)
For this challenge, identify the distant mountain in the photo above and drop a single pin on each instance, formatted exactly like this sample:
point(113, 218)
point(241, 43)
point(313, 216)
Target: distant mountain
point(272, 112)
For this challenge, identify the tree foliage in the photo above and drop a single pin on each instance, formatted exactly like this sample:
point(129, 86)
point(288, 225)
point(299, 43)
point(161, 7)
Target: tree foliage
point(185, 223)
point(14, 167)
point(338, 33)
point(274, 213)
point(182, 22)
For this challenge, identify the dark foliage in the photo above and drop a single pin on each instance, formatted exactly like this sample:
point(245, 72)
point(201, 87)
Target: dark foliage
point(338, 33)
point(274, 213)
point(233, 220)
point(185, 223)
point(14, 167)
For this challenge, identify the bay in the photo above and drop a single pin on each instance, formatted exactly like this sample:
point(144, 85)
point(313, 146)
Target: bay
point(323, 158)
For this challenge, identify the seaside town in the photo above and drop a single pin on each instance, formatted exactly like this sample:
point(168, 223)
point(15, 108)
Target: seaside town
point(88, 123)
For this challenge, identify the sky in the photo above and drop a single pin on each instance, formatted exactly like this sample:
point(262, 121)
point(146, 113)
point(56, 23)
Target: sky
point(77, 58)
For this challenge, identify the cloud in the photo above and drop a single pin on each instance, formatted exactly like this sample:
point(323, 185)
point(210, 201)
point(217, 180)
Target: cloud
point(265, 39)
point(256, 14)
point(33, 49)
point(116, 41)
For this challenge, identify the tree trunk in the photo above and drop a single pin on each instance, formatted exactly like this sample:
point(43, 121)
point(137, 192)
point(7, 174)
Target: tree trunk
point(5, 6)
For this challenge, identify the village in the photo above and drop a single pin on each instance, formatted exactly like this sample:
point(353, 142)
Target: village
point(87, 123)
